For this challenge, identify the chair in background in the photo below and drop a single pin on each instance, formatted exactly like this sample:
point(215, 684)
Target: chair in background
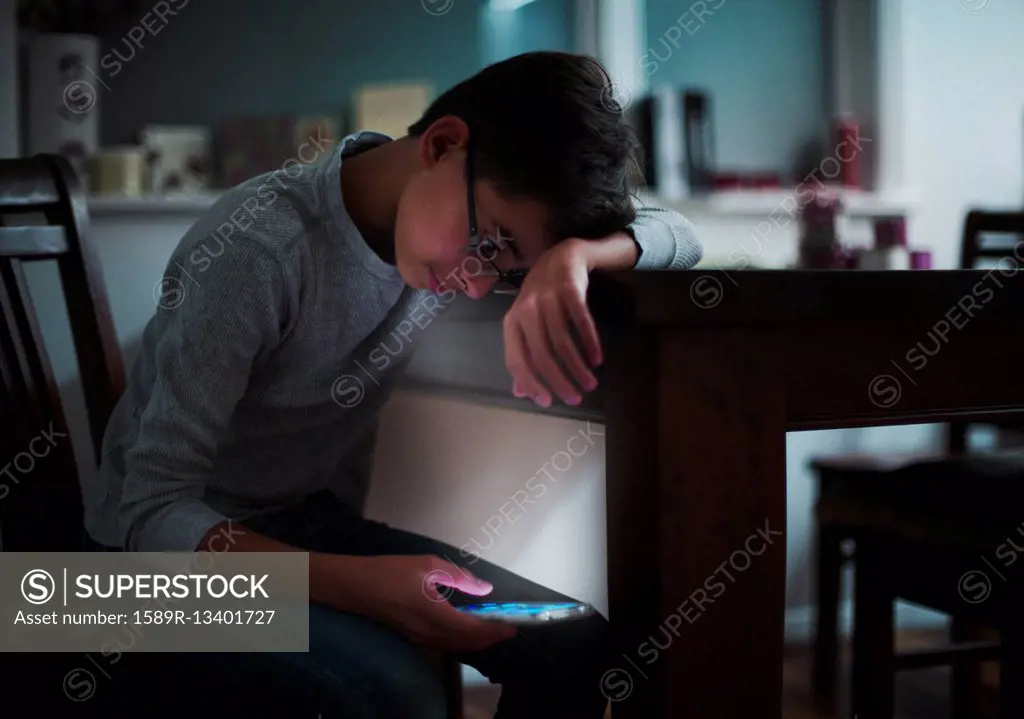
point(44, 217)
point(889, 507)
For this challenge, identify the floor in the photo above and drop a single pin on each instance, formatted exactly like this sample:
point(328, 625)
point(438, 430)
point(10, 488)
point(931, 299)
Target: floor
point(920, 694)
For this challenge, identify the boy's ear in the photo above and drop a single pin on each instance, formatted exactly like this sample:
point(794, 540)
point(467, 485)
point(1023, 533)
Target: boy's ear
point(445, 135)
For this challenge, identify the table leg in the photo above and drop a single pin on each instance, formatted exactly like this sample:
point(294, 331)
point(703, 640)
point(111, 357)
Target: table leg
point(631, 470)
point(696, 515)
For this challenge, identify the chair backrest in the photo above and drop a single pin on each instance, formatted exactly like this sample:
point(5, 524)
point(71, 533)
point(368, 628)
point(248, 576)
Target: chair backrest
point(991, 235)
point(43, 217)
point(989, 238)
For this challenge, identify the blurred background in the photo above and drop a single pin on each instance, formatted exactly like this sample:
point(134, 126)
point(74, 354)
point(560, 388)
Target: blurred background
point(889, 117)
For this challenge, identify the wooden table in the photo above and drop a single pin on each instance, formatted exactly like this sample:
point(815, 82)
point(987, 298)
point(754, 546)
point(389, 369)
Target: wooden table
point(706, 372)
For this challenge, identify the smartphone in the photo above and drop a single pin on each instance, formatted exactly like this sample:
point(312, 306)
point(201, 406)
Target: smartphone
point(528, 612)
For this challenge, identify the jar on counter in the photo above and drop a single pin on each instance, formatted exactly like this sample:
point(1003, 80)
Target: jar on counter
point(118, 170)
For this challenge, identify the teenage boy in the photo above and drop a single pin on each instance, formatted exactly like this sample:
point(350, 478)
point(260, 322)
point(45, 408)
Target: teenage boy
point(235, 431)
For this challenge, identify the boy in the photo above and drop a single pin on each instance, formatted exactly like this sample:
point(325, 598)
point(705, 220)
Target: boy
point(235, 423)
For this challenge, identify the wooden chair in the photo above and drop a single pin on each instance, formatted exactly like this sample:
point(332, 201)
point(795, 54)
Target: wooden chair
point(44, 217)
point(885, 508)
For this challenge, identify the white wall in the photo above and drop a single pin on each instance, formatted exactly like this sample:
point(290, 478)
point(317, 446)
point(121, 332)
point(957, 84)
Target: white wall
point(9, 145)
point(499, 483)
point(963, 110)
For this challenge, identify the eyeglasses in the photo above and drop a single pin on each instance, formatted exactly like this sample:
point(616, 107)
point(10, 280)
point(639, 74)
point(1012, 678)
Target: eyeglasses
point(487, 247)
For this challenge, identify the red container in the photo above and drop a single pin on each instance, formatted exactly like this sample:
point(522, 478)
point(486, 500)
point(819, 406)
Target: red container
point(847, 151)
point(891, 232)
point(725, 181)
point(764, 181)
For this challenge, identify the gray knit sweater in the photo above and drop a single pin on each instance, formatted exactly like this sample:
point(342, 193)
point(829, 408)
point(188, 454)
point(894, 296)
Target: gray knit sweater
point(261, 375)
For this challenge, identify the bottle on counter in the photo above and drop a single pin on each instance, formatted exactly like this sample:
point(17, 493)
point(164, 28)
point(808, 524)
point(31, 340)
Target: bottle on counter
point(820, 247)
point(846, 133)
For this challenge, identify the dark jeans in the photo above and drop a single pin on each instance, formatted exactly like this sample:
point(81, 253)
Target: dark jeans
point(356, 668)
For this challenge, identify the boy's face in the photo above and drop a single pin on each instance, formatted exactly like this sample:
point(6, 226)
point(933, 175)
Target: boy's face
point(432, 231)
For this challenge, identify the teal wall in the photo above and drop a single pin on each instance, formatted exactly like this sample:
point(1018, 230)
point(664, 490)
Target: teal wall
point(761, 60)
point(540, 25)
point(763, 63)
point(221, 58)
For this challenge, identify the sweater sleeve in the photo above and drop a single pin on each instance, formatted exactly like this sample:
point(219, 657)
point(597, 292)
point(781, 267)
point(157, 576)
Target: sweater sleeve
point(212, 326)
point(666, 239)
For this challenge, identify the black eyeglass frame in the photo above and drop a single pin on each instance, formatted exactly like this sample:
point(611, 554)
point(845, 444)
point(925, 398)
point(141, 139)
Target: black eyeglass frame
point(512, 278)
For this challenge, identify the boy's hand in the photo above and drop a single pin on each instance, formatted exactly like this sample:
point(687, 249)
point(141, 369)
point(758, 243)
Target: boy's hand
point(553, 298)
point(400, 592)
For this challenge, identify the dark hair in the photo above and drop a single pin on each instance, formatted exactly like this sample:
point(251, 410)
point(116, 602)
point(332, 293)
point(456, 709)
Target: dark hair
point(544, 125)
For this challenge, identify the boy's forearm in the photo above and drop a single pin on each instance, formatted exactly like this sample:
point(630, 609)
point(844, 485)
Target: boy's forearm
point(329, 574)
point(618, 251)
